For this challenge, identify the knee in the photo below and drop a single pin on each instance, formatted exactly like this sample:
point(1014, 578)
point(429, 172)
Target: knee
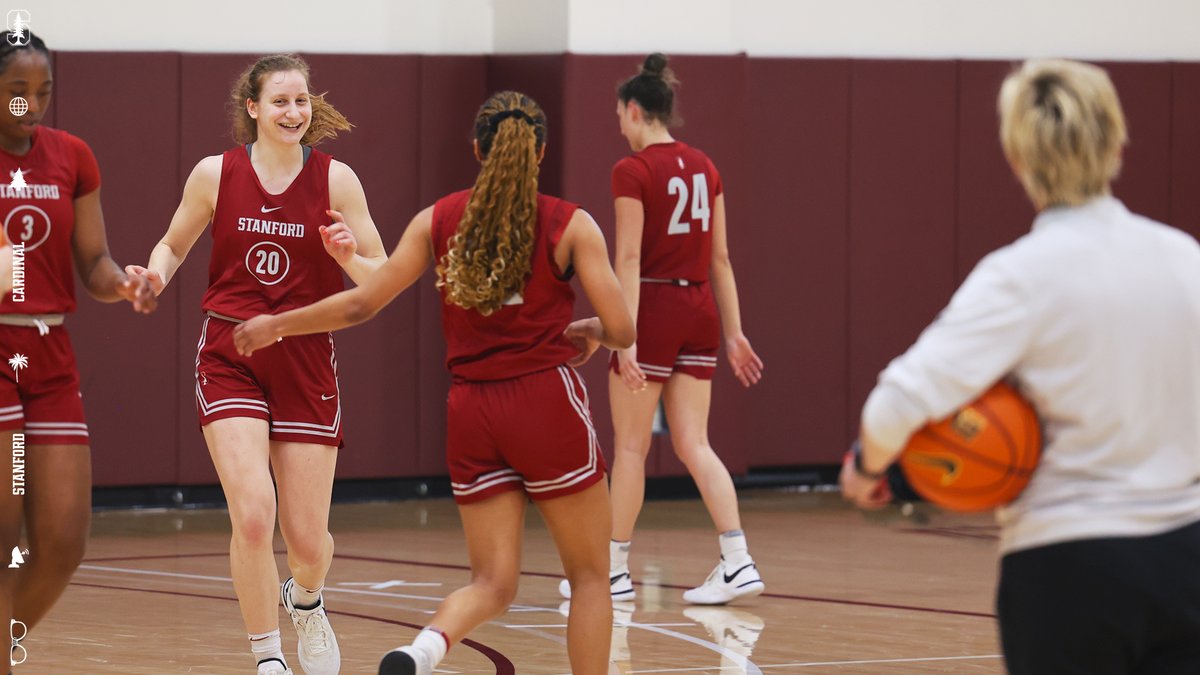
point(61, 547)
point(310, 551)
point(690, 450)
point(631, 449)
point(498, 592)
point(254, 523)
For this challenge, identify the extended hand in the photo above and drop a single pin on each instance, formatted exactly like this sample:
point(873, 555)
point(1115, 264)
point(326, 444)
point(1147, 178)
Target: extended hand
point(585, 335)
point(255, 334)
point(139, 291)
point(746, 365)
point(338, 239)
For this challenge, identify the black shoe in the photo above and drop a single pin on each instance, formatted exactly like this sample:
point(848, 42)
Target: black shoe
point(397, 663)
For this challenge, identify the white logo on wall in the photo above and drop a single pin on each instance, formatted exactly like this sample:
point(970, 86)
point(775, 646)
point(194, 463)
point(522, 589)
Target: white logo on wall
point(18, 27)
point(18, 361)
point(18, 558)
point(268, 262)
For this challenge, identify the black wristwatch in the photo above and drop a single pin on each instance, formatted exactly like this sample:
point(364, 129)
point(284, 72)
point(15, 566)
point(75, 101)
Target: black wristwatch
point(856, 449)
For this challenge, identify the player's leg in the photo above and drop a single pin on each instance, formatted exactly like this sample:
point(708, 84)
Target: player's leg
point(241, 455)
point(687, 400)
point(580, 524)
point(493, 529)
point(58, 514)
point(633, 423)
point(304, 474)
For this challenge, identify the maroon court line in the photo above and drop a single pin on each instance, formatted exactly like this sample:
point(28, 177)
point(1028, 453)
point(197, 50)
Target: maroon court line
point(501, 662)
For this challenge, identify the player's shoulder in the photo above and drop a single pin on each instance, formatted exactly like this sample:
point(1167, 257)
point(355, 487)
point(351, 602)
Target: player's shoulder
point(60, 139)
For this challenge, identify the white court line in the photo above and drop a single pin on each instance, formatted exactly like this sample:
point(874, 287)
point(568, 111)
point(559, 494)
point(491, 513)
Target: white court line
point(748, 667)
point(857, 663)
point(615, 625)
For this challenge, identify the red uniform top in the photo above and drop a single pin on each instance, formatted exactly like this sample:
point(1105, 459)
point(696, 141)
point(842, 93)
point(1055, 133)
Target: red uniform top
point(267, 255)
point(676, 185)
point(37, 202)
point(525, 335)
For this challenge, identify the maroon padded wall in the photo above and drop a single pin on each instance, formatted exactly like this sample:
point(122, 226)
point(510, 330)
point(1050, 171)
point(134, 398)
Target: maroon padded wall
point(1185, 144)
point(127, 361)
point(792, 260)
point(452, 89)
point(902, 192)
point(859, 193)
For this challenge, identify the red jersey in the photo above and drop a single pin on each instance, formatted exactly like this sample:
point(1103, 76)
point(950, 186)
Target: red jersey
point(267, 255)
point(37, 202)
point(525, 335)
point(676, 185)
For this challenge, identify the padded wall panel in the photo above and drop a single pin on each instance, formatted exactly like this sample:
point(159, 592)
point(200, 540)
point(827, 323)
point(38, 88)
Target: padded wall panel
point(902, 187)
point(205, 82)
point(127, 361)
point(451, 90)
point(791, 258)
point(991, 207)
point(1145, 181)
point(1185, 144)
point(539, 76)
point(377, 361)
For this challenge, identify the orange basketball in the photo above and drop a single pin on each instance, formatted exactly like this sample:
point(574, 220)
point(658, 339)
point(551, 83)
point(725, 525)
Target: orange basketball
point(980, 457)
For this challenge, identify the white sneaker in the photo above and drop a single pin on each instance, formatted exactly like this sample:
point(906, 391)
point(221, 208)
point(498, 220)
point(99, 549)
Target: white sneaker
point(405, 661)
point(723, 586)
point(317, 646)
point(273, 667)
point(620, 582)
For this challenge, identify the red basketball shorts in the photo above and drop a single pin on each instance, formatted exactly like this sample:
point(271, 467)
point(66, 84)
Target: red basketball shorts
point(292, 384)
point(679, 331)
point(531, 433)
point(39, 390)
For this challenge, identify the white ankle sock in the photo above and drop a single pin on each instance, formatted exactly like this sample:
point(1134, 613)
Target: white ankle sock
point(618, 555)
point(302, 598)
point(432, 642)
point(267, 646)
point(733, 548)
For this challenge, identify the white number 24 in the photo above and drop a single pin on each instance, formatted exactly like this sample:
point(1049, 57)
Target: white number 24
point(700, 211)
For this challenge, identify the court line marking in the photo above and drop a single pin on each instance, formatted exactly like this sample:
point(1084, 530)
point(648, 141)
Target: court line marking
point(501, 662)
point(868, 662)
point(749, 667)
point(549, 575)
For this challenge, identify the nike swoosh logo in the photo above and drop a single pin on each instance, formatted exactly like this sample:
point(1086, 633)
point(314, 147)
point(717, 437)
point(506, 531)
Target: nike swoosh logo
point(266, 210)
point(326, 398)
point(946, 464)
point(730, 577)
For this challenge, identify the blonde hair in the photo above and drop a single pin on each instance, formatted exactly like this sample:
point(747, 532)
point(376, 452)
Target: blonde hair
point(489, 256)
point(1062, 130)
point(325, 122)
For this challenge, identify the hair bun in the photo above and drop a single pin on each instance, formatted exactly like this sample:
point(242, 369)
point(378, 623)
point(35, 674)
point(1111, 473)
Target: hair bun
point(655, 65)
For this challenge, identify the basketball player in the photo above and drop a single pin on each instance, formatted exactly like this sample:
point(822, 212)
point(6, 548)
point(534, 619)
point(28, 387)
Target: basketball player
point(673, 263)
point(1096, 314)
point(267, 199)
point(518, 423)
point(53, 215)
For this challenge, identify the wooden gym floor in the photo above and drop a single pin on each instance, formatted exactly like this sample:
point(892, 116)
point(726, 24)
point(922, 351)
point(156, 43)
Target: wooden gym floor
point(846, 593)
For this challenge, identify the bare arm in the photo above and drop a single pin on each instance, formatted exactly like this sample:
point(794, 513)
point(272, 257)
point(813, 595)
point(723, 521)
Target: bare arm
point(102, 278)
point(406, 264)
point(613, 327)
point(193, 214)
point(355, 244)
point(631, 218)
point(745, 363)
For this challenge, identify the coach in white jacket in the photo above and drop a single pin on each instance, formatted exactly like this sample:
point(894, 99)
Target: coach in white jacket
point(1096, 315)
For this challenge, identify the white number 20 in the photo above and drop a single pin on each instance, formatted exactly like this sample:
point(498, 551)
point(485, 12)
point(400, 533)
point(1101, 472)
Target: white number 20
point(268, 262)
point(700, 211)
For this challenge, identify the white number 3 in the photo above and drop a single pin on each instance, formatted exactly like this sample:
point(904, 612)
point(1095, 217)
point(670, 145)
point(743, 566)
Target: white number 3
point(700, 210)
